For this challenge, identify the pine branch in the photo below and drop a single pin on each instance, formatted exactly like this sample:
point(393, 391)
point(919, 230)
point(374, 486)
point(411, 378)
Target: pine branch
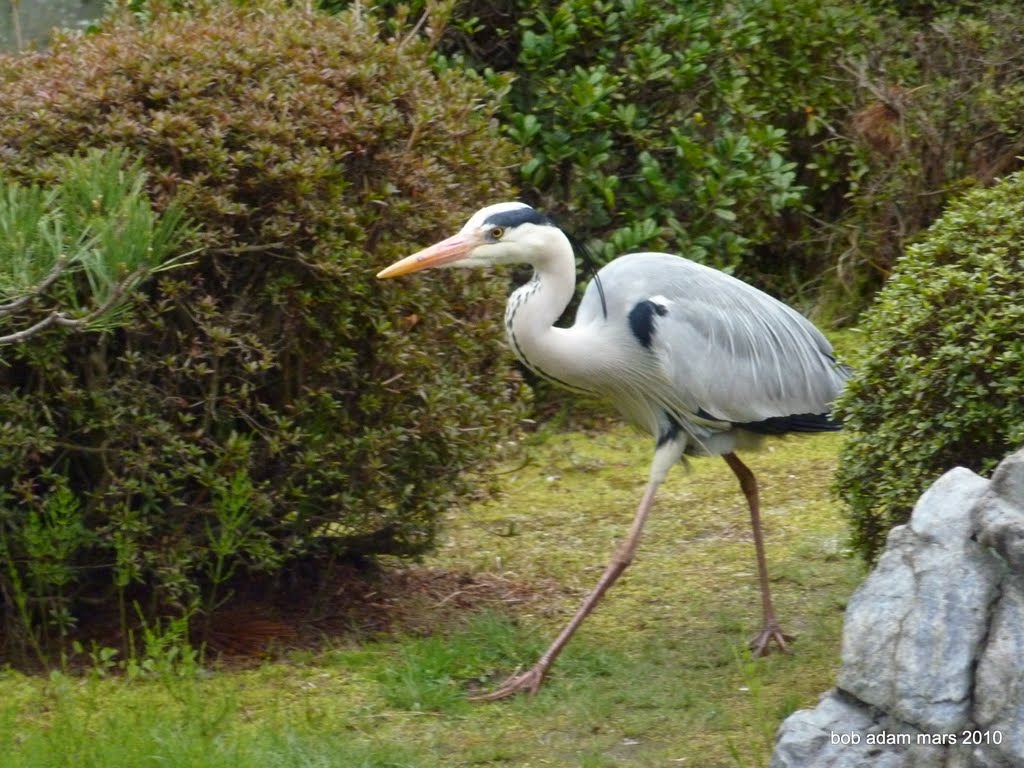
point(82, 322)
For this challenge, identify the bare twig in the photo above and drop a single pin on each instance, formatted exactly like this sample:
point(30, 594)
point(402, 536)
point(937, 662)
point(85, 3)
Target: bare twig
point(32, 330)
point(76, 323)
point(416, 29)
point(19, 41)
point(59, 267)
point(240, 249)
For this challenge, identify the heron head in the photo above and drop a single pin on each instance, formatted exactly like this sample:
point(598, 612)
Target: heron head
point(505, 233)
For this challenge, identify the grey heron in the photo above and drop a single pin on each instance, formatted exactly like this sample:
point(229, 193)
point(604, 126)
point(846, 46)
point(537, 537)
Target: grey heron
point(703, 362)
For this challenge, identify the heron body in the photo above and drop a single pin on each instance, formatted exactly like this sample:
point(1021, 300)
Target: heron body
point(702, 361)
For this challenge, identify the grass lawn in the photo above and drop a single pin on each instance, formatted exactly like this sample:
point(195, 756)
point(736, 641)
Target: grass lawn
point(658, 676)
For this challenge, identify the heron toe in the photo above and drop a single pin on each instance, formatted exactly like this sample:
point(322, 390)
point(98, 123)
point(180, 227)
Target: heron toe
point(771, 633)
point(528, 682)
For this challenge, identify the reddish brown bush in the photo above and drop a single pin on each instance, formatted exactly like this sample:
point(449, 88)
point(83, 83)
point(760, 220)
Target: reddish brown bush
point(272, 400)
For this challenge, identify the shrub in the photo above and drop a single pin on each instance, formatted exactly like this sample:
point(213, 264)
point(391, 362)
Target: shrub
point(801, 144)
point(945, 363)
point(660, 125)
point(272, 401)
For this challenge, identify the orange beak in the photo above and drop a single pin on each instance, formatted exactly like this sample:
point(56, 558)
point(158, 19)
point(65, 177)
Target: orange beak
point(437, 255)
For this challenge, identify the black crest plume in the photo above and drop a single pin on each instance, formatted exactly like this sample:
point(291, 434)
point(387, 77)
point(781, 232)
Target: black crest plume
point(589, 261)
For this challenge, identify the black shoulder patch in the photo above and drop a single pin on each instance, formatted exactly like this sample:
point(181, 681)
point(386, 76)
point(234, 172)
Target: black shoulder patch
point(641, 321)
point(516, 216)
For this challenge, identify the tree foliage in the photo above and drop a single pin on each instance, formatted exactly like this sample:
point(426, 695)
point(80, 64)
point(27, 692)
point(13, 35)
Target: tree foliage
point(939, 91)
point(659, 125)
point(800, 144)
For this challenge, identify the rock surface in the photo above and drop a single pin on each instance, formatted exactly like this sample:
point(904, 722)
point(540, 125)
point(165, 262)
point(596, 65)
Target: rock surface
point(932, 669)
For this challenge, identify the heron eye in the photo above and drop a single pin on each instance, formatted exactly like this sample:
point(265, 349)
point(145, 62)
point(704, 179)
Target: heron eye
point(497, 233)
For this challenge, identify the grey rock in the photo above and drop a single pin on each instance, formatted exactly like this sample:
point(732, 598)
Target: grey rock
point(842, 731)
point(914, 628)
point(999, 686)
point(998, 517)
point(984, 757)
point(933, 644)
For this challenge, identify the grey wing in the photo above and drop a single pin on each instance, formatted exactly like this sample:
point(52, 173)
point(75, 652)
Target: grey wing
point(725, 351)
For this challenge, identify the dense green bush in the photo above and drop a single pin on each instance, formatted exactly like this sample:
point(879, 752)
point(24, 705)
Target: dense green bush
point(708, 129)
point(659, 124)
point(802, 144)
point(944, 373)
point(652, 123)
point(272, 400)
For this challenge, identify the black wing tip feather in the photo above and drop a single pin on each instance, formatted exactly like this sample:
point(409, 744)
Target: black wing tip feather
point(799, 422)
point(784, 425)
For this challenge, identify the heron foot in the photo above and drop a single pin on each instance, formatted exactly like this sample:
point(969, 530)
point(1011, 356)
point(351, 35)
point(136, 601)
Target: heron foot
point(527, 682)
point(772, 632)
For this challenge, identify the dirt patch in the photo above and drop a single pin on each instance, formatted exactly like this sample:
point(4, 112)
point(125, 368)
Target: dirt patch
point(315, 607)
point(359, 603)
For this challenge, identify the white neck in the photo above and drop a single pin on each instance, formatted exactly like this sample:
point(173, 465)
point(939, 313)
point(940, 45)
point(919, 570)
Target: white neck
point(533, 309)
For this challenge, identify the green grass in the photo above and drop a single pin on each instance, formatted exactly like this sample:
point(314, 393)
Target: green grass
point(658, 676)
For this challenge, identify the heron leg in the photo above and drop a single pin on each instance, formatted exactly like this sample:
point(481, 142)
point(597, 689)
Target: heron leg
point(770, 629)
point(530, 680)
